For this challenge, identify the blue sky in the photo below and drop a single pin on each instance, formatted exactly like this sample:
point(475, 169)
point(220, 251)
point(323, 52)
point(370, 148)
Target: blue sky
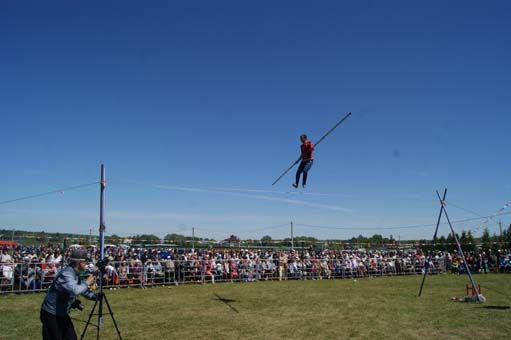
point(195, 108)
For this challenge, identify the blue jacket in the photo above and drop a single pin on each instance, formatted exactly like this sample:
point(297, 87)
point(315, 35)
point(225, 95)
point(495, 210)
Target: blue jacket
point(63, 291)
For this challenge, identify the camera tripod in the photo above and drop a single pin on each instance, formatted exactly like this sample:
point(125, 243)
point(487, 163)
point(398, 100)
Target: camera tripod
point(101, 297)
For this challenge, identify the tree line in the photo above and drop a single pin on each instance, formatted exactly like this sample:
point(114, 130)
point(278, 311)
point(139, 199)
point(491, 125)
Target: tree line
point(486, 242)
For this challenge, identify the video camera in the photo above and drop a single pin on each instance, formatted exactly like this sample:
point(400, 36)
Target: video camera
point(101, 264)
point(101, 268)
point(77, 304)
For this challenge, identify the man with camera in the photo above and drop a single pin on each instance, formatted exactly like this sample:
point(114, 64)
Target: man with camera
point(62, 296)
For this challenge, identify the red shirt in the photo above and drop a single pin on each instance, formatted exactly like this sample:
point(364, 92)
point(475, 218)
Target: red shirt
point(307, 149)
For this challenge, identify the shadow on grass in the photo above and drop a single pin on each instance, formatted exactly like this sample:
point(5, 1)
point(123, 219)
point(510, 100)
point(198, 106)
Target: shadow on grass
point(226, 301)
point(496, 307)
point(84, 322)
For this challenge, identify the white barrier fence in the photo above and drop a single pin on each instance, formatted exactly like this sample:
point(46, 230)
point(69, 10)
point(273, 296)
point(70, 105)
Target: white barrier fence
point(30, 277)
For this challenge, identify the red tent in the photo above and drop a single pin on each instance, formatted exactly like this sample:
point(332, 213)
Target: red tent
point(4, 243)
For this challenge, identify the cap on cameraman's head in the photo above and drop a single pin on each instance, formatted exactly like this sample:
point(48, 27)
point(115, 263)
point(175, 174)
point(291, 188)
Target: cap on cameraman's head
point(79, 254)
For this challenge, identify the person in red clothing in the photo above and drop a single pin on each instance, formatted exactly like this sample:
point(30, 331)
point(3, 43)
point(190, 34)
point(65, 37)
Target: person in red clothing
point(307, 158)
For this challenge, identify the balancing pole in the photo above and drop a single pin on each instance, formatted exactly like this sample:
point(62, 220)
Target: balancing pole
point(315, 146)
point(426, 265)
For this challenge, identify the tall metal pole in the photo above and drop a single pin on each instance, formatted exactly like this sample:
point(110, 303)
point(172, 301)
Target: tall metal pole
point(63, 255)
point(100, 295)
point(292, 239)
point(102, 184)
point(501, 236)
point(426, 265)
point(193, 239)
point(474, 287)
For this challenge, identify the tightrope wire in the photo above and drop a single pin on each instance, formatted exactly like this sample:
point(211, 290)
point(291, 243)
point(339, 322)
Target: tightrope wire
point(49, 192)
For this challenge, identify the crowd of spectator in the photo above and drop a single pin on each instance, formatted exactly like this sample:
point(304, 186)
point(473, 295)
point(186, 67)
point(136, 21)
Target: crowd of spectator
point(33, 268)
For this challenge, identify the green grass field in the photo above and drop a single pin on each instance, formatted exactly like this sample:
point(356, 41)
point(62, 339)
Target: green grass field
point(368, 308)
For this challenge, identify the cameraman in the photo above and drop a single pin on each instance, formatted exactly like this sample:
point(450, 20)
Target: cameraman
point(61, 297)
